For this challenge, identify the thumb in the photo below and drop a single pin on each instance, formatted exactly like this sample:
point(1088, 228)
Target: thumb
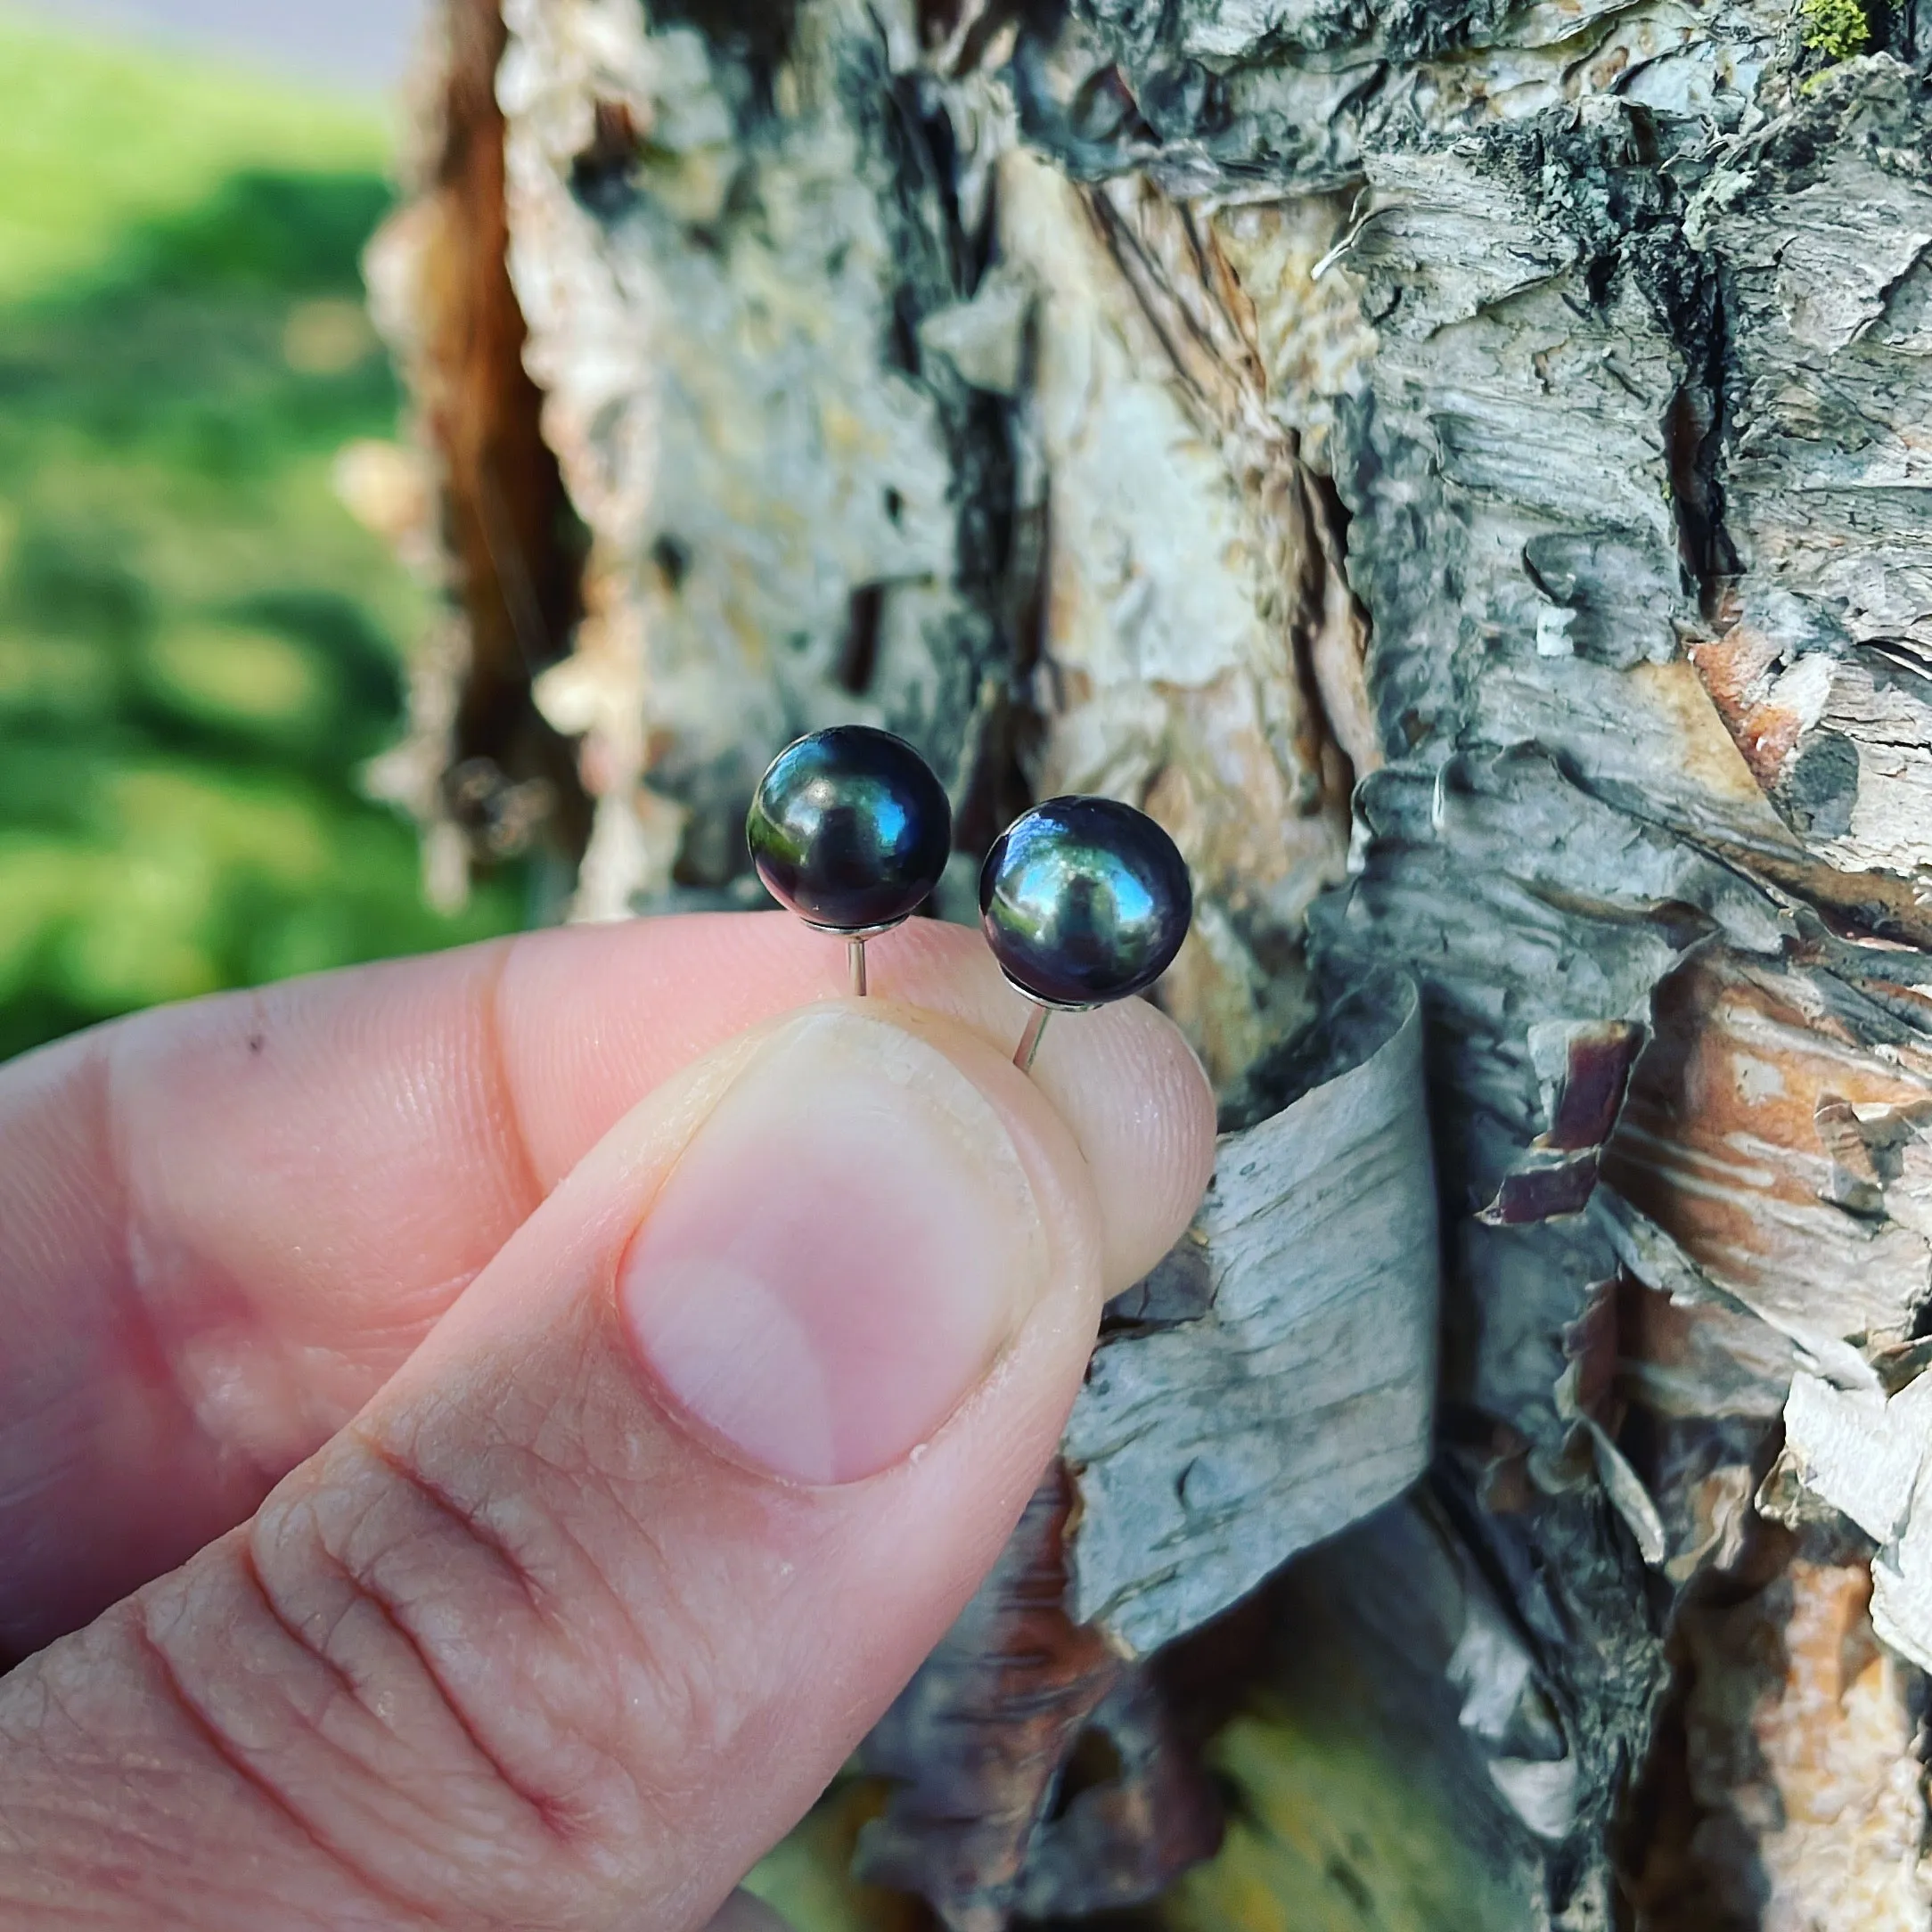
point(577, 1619)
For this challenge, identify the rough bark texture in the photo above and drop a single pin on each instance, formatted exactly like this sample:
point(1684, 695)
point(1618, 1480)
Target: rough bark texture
point(1460, 465)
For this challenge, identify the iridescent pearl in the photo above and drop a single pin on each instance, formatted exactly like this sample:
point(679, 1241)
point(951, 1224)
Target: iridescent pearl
point(1082, 901)
point(850, 829)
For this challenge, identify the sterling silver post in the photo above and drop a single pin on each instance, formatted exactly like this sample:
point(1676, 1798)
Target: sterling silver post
point(856, 960)
point(1029, 1041)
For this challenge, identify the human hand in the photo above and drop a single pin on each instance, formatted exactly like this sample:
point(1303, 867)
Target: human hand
point(563, 1482)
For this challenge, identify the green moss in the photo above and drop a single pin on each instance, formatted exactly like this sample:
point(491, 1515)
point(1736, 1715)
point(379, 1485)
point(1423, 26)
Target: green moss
point(1331, 1834)
point(1332, 1827)
point(1836, 28)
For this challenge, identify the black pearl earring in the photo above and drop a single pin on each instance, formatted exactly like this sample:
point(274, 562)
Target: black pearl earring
point(1082, 901)
point(850, 829)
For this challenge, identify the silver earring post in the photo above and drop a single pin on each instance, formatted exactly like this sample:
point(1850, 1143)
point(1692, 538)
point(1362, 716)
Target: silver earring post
point(1029, 1041)
point(856, 961)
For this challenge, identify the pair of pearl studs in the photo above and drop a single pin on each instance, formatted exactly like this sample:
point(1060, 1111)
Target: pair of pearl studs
point(1081, 900)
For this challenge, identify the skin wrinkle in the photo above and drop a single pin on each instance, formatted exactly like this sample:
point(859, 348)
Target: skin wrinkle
point(568, 1819)
point(688, 1701)
point(141, 1332)
point(25, 1729)
point(243, 1773)
point(580, 1475)
point(397, 1337)
point(550, 1814)
point(365, 1589)
point(317, 1647)
point(481, 1113)
point(684, 1673)
point(244, 1475)
point(468, 1523)
point(48, 1913)
point(145, 1832)
point(463, 1092)
point(507, 1112)
point(583, 1475)
point(552, 1818)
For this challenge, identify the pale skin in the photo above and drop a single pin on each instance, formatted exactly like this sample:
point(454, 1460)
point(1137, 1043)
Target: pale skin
point(482, 1438)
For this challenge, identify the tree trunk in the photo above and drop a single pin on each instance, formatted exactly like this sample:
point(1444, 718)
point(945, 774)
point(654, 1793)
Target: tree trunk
point(1462, 466)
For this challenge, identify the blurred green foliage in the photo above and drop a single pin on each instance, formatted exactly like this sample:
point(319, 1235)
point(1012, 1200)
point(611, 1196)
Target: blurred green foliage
point(198, 646)
point(98, 136)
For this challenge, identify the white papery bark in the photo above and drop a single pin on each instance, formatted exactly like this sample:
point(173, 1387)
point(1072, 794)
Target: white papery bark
point(1461, 466)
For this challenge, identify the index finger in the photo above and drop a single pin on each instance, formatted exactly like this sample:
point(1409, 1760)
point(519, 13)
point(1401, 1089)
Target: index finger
point(222, 1225)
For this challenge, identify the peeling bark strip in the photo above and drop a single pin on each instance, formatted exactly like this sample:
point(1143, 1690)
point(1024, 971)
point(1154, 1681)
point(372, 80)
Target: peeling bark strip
point(1583, 1090)
point(1460, 464)
point(1204, 1454)
point(1205, 694)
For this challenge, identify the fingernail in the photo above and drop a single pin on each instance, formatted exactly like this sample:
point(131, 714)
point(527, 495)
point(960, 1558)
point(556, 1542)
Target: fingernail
point(841, 1253)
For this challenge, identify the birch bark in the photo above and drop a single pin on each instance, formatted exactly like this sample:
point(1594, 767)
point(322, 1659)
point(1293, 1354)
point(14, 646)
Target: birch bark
point(1462, 467)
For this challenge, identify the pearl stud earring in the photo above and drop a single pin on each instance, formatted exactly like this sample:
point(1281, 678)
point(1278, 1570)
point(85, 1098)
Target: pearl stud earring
point(850, 829)
point(1082, 901)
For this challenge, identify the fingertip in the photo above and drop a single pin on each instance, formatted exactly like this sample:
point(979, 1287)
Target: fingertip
point(1129, 1086)
point(1121, 1077)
